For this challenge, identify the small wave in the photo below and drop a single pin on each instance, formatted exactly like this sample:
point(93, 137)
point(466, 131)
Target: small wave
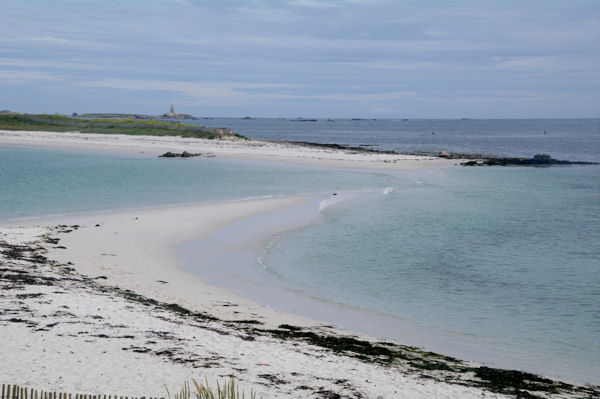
point(388, 190)
point(331, 200)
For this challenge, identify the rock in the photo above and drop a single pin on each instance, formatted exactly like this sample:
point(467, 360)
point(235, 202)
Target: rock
point(542, 158)
point(538, 160)
point(184, 154)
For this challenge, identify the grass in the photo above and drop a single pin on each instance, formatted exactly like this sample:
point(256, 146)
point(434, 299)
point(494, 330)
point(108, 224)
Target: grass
point(195, 390)
point(60, 123)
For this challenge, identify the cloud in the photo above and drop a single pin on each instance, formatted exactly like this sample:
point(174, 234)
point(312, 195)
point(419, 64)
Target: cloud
point(44, 63)
point(222, 92)
point(18, 77)
point(545, 63)
point(198, 90)
point(363, 97)
point(383, 111)
point(313, 3)
point(55, 41)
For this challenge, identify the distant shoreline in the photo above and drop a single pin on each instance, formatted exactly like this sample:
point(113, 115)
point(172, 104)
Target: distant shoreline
point(127, 126)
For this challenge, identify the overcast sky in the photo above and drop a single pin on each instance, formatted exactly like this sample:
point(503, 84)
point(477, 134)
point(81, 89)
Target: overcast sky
point(329, 58)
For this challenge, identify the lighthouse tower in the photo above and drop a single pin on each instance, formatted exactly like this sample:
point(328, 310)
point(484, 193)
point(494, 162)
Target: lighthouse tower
point(172, 110)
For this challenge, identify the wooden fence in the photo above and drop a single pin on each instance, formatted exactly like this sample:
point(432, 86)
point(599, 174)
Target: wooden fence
point(17, 392)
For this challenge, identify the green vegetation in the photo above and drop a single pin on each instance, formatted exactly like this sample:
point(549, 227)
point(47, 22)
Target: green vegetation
point(228, 390)
point(60, 123)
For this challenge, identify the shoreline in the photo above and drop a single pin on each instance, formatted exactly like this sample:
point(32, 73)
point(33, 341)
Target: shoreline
point(128, 254)
point(286, 152)
point(82, 292)
point(154, 232)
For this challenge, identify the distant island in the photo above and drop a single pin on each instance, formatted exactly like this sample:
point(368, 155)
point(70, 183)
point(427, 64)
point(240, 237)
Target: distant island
point(168, 115)
point(109, 125)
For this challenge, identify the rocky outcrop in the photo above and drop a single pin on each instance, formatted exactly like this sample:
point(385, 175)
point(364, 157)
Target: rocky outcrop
point(184, 154)
point(177, 116)
point(542, 159)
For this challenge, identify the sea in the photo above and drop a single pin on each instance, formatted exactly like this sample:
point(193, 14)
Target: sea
point(499, 265)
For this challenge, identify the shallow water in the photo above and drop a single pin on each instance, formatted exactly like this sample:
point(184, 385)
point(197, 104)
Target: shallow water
point(40, 182)
point(505, 258)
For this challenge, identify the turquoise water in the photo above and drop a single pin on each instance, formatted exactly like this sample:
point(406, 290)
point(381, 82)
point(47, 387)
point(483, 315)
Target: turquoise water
point(503, 257)
point(40, 182)
point(500, 265)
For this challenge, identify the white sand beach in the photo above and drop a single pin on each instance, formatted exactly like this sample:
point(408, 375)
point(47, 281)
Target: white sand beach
point(227, 148)
point(98, 303)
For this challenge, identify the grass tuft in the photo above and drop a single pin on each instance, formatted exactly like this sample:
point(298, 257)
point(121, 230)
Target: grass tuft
point(195, 390)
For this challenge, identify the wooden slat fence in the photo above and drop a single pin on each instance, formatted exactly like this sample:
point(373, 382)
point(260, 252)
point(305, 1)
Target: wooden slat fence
point(17, 392)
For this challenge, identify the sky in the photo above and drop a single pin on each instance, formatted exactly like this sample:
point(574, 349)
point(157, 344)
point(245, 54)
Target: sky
point(303, 58)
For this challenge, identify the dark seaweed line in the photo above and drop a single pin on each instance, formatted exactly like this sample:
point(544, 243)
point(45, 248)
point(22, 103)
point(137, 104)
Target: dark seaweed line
point(446, 369)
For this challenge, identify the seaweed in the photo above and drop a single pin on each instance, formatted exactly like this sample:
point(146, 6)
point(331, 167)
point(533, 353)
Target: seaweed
point(171, 307)
point(505, 381)
point(341, 344)
point(431, 365)
point(246, 321)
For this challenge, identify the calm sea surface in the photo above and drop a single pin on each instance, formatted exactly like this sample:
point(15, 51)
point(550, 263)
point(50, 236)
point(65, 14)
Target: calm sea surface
point(500, 265)
point(572, 139)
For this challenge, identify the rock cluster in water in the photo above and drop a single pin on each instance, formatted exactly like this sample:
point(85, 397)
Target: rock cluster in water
point(537, 160)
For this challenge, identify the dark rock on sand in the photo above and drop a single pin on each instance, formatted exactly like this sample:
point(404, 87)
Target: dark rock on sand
point(184, 154)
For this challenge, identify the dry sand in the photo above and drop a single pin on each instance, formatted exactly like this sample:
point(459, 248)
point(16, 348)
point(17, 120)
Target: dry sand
point(227, 148)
